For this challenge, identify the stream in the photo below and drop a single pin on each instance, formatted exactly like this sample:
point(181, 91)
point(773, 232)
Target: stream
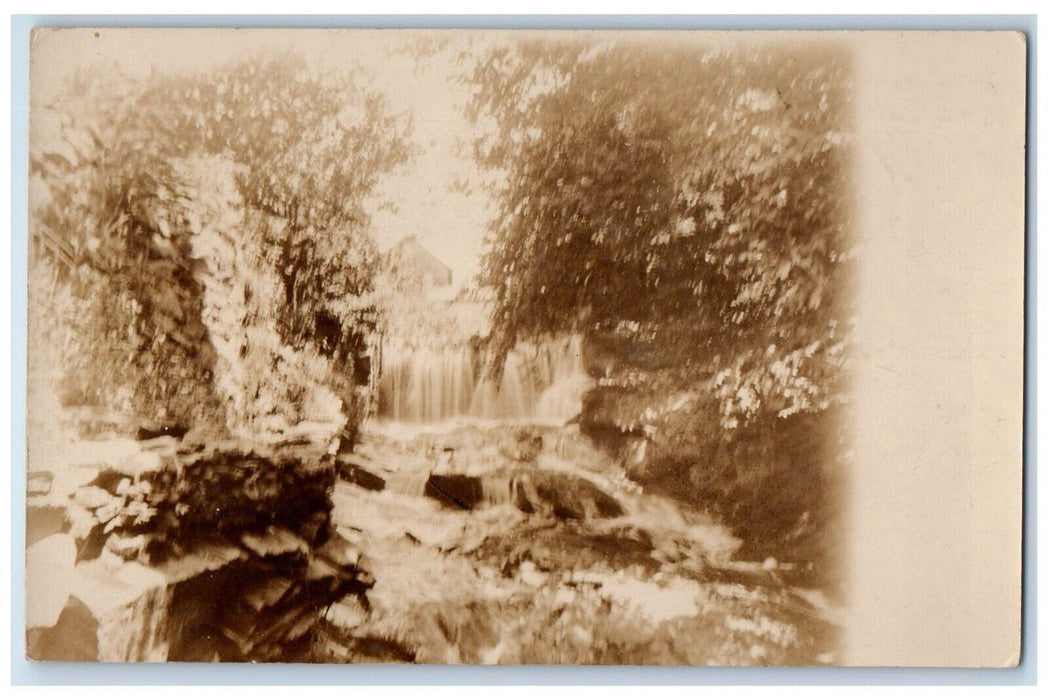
point(467, 524)
point(504, 541)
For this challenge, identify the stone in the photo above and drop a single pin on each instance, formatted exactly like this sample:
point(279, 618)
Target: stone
point(523, 446)
point(66, 480)
point(138, 512)
point(49, 579)
point(108, 558)
point(267, 593)
point(455, 490)
point(151, 432)
point(108, 479)
point(74, 637)
point(347, 613)
point(127, 607)
point(570, 497)
point(38, 483)
point(110, 614)
point(349, 534)
point(350, 469)
point(165, 443)
point(81, 521)
point(312, 526)
point(323, 572)
point(117, 522)
point(201, 530)
point(127, 548)
point(339, 552)
point(143, 463)
point(274, 541)
point(108, 511)
point(201, 557)
point(92, 497)
point(86, 530)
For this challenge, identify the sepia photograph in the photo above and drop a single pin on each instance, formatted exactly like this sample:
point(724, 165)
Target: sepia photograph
point(442, 347)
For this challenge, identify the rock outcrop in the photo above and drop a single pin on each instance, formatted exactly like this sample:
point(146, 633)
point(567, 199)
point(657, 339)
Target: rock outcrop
point(188, 552)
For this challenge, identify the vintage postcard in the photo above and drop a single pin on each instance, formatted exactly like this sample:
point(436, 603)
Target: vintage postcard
point(526, 347)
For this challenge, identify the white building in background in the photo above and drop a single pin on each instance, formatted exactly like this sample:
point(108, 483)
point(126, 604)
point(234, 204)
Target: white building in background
point(414, 259)
point(471, 311)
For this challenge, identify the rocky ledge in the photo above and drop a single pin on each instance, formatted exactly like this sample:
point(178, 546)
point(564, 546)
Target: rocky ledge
point(172, 549)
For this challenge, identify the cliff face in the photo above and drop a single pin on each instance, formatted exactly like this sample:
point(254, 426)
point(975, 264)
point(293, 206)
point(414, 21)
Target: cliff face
point(157, 291)
point(115, 309)
point(208, 537)
point(266, 386)
point(174, 318)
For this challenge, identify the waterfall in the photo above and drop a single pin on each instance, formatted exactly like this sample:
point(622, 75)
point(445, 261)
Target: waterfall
point(408, 483)
point(541, 382)
point(497, 490)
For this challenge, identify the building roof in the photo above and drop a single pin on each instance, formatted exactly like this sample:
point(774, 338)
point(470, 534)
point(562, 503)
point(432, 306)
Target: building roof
point(413, 254)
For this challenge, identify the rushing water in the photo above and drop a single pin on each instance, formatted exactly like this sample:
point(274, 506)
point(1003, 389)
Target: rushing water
point(541, 383)
point(558, 558)
point(502, 535)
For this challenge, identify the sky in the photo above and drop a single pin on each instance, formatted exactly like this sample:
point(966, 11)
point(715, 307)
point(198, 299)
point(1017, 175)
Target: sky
point(448, 222)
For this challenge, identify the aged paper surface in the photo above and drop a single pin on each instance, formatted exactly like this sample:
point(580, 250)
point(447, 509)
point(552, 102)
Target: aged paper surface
point(937, 489)
point(526, 347)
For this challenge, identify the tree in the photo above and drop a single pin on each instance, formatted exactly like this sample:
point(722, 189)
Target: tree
point(119, 186)
point(687, 212)
point(695, 200)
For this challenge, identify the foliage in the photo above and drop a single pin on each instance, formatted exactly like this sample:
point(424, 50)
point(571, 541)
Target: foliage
point(687, 211)
point(692, 201)
point(119, 195)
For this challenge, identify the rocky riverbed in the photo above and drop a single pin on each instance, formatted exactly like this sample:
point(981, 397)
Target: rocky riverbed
point(524, 545)
point(505, 543)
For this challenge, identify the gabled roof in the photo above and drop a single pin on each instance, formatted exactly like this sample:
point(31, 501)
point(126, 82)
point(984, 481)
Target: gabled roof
point(413, 253)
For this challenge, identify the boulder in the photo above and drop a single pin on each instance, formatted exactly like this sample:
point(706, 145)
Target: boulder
point(455, 490)
point(74, 636)
point(275, 541)
point(567, 496)
point(339, 552)
point(92, 497)
point(352, 469)
point(86, 530)
point(125, 607)
point(150, 432)
point(49, 579)
point(187, 552)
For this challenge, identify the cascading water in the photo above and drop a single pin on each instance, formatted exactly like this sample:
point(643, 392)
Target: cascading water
point(540, 383)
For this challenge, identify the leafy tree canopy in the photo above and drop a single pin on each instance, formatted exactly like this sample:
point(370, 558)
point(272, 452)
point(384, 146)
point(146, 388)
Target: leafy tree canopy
point(694, 201)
